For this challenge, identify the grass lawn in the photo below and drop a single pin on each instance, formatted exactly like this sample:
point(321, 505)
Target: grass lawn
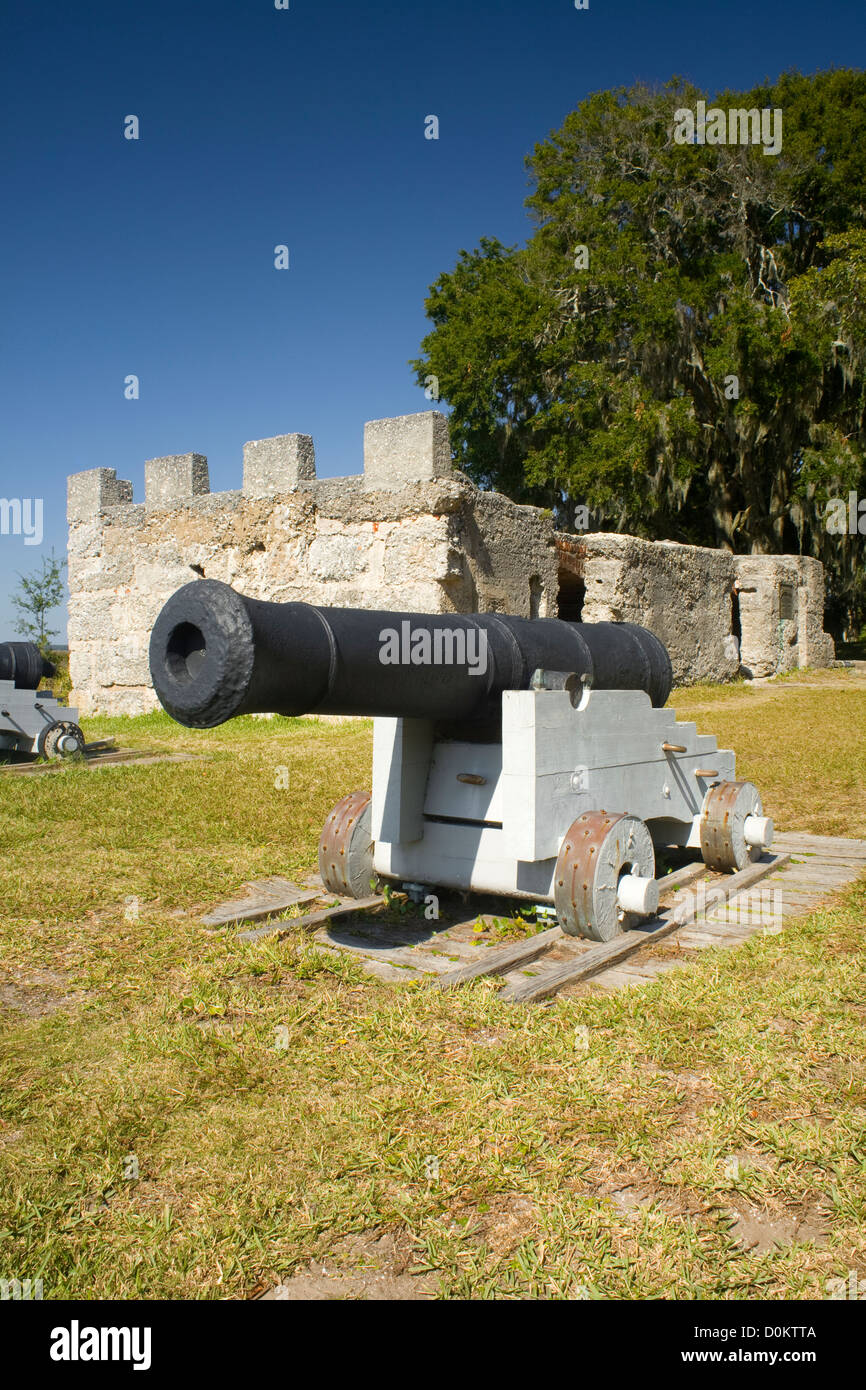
point(184, 1116)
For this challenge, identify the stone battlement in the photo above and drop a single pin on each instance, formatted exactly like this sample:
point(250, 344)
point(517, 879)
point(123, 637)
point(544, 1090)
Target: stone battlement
point(397, 453)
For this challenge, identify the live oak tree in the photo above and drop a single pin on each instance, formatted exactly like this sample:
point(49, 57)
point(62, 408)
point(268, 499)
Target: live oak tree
point(679, 346)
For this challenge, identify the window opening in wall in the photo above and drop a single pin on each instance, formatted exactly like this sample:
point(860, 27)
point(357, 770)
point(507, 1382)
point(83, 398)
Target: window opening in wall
point(786, 601)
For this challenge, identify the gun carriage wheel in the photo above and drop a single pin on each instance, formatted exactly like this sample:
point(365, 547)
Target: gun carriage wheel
point(605, 875)
point(61, 739)
point(734, 831)
point(346, 847)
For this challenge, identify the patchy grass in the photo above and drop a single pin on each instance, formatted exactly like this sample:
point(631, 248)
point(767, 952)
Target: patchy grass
point(186, 1116)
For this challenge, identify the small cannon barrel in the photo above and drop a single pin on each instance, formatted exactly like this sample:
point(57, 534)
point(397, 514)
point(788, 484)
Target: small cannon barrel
point(24, 664)
point(215, 654)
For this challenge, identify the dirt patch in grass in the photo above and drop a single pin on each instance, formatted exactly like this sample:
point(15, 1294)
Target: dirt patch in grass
point(34, 993)
point(371, 1266)
point(642, 1196)
point(510, 1221)
point(758, 1230)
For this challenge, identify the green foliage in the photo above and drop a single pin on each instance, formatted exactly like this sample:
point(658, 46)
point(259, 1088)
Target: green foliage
point(37, 594)
point(611, 385)
point(59, 684)
point(394, 899)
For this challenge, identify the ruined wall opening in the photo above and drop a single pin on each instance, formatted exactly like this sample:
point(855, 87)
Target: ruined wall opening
point(535, 593)
point(569, 600)
point(736, 626)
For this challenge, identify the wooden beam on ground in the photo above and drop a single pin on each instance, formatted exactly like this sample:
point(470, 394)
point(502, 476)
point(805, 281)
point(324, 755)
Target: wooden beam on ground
point(681, 878)
point(267, 896)
point(313, 919)
point(119, 758)
point(499, 962)
point(827, 847)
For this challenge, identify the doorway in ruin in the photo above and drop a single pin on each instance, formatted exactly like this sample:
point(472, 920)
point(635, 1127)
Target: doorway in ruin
point(736, 626)
point(569, 600)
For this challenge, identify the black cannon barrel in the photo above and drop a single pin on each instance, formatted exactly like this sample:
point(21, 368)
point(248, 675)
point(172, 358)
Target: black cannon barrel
point(215, 654)
point(23, 663)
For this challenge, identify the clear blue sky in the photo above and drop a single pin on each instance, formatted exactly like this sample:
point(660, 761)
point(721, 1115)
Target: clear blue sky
point(305, 127)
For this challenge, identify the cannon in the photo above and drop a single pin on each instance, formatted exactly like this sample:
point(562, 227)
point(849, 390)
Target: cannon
point(32, 721)
point(528, 757)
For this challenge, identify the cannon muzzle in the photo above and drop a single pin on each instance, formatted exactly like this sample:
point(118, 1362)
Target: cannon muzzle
point(215, 654)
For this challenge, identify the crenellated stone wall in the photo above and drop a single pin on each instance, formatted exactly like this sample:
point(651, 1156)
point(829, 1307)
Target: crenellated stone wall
point(409, 533)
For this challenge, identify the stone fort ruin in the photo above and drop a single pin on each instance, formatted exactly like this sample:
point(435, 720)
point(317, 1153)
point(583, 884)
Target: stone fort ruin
point(410, 533)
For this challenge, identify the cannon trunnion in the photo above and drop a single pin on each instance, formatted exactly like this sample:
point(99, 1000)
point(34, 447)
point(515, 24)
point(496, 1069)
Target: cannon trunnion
point(529, 757)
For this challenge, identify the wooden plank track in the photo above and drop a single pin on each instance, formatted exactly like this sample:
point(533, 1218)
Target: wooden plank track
point(507, 958)
point(597, 958)
point(800, 874)
point(810, 879)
